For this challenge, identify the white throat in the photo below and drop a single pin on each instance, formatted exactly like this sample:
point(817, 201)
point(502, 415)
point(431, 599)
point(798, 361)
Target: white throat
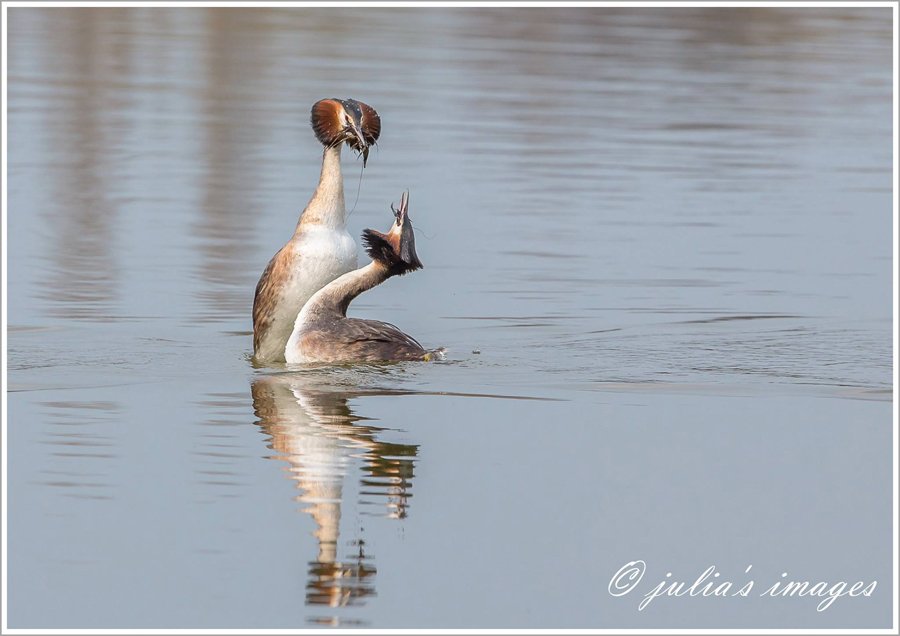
point(326, 207)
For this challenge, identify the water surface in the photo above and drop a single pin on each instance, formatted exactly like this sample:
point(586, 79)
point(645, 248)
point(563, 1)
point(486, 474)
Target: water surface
point(657, 246)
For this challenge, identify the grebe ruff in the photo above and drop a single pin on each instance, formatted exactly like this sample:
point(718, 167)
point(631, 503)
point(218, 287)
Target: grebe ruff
point(321, 249)
point(324, 334)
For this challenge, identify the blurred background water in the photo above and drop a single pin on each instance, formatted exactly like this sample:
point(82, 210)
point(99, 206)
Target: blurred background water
point(657, 245)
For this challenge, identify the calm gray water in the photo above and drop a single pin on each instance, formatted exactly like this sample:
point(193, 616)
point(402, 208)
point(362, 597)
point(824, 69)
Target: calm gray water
point(657, 246)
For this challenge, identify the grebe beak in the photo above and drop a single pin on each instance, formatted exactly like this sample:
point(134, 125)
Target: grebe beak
point(407, 235)
point(401, 212)
point(357, 140)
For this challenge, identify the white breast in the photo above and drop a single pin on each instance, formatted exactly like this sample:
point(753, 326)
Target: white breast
point(325, 253)
point(322, 254)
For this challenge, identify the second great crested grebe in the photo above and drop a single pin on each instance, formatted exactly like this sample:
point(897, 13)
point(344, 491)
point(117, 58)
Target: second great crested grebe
point(324, 334)
point(321, 249)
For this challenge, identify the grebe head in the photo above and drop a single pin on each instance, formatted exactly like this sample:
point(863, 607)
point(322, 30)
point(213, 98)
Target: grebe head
point(336, 121)
point(397, 248)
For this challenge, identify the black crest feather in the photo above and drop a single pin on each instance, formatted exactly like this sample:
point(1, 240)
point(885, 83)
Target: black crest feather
point(378, 248)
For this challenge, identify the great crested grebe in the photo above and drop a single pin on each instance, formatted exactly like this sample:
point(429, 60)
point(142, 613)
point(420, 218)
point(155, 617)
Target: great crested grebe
point(321, 248)
point(323, 333)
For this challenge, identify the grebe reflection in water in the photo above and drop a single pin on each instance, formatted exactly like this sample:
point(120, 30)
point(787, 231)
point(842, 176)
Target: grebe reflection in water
point(324, 334)
point(321, 249)
point(315, 431)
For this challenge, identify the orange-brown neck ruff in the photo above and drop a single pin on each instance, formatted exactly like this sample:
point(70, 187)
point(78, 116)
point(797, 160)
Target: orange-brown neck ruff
point(395, 251)
point(370, 123)
point(326, 122)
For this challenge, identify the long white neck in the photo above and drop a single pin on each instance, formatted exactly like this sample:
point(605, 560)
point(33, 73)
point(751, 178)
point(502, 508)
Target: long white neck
point(326, 207)
point(333, 299)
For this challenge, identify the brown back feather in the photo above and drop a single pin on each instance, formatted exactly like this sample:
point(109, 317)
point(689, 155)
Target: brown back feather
point(266, 297)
